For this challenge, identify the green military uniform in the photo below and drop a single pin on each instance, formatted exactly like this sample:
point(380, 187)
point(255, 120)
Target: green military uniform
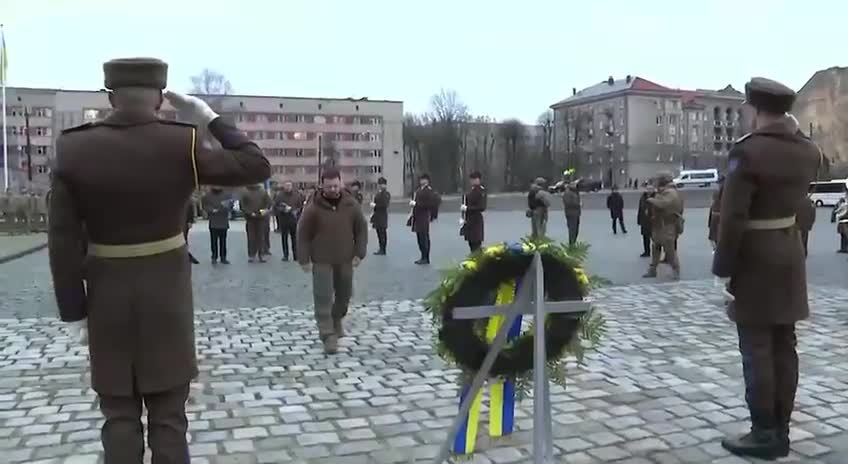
point(759, 248)
point(539, 202)
point(255, 204)
point(666, 225)
point(572, 205)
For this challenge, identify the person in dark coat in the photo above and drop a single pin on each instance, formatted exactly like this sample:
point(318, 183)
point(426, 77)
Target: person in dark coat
point(288, 204)
point(380, 215)
point(356, 191)
point(255, 204)
point(133, 291)
point(760, 250)
point(615, 205)
point(425, 209)
point(806, 220)
point(714, 215)
point(475, 204)
point(216, 204)
point(572, 206)
point(643, 220)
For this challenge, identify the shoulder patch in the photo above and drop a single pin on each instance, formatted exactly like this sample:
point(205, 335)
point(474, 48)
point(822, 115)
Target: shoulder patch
point(743, 138)
point(177, 123)
point(87, 125)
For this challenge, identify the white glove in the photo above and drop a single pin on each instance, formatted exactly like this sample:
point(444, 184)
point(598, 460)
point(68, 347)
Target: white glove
point(198, 110)
point(307, 268)
point(463, 208)
point(78, 331)
point(411, 202)
point(288, 209)
point(372, 204)
point(461, 222)
point(356, 261)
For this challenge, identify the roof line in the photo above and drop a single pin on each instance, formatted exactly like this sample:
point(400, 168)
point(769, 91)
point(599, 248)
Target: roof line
point(281, 97)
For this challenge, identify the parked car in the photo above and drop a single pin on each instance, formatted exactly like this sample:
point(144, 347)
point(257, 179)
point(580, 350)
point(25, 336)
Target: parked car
point(588, 185)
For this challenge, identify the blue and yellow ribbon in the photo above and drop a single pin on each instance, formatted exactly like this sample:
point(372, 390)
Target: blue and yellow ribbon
point(502, 392)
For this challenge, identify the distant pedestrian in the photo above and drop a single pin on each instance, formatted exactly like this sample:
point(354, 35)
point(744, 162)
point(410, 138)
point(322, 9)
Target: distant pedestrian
point(615, 204)
point(538, 204)
point(216, 204)
point(573, 208)
point(644, 219)
point(666, 225)
point(288, 204)
point(255, 205)
point(332, 237)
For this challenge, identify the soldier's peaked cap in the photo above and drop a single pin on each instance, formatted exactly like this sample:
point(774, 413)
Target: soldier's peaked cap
point(768, 95)
point(135, 72)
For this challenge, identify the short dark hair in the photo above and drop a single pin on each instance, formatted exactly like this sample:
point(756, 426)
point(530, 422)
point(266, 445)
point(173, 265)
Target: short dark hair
point(330, 173)
point(475, 175)
point(356, 183)
point(424, 176)
point(382, 181)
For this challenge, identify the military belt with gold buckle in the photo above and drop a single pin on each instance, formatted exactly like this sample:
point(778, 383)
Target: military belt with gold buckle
point(136, 250)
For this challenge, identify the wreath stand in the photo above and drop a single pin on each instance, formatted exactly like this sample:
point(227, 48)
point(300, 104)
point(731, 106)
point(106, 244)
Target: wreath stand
point(529, 299)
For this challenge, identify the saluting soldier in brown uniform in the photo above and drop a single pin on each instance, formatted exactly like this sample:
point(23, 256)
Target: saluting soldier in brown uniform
point(133, 290)
point(475, 205)
point(759, 248)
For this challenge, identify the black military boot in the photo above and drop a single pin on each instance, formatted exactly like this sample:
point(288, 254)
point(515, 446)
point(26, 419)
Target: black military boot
point(759, 443)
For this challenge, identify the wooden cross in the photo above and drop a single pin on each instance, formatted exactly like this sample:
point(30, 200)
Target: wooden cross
point(530, 299)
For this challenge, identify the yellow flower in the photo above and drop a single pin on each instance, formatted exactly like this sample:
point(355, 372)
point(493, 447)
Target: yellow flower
point(470, 265)
point(494, 250)
point(581, 276)
point(528, 247)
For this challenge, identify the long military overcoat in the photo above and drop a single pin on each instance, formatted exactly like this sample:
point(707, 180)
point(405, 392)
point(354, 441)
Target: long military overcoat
point(127, 180)
point(769, 175)
point(475, 202)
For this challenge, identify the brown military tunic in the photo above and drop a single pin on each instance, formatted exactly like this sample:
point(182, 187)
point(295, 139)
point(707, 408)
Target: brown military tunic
point(475, 203)
point(771, 170)
point(127, 180)
point(713, 217)
point(426, 209)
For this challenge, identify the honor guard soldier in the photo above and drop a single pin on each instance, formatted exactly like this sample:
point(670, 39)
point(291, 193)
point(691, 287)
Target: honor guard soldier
point(380, 214)
point(759, 248)
point(126, 181)
point(472, 227)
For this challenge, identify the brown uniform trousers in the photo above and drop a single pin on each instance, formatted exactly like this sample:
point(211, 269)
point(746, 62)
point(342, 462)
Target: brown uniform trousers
point(759, 247)
point(139, 310)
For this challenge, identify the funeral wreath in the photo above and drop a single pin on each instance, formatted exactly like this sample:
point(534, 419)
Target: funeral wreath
point(483, 278)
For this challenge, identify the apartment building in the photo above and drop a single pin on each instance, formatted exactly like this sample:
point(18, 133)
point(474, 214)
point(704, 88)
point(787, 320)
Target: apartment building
point(363, 138)
point(625, 130)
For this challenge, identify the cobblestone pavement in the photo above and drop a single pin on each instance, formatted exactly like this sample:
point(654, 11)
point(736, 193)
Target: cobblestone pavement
point(26, 288)
point(663, 388)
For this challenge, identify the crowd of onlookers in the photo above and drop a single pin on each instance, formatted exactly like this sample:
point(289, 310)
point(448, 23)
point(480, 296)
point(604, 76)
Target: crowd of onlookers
point(23, 212)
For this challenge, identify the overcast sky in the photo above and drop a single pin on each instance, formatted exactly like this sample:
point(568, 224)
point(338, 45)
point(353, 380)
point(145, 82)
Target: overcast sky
point(505, 58)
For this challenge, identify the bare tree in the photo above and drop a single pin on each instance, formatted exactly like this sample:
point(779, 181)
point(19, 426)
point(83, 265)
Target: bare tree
point(210, 82)
point(447, 107)
point(446, 146)
point(512, 133)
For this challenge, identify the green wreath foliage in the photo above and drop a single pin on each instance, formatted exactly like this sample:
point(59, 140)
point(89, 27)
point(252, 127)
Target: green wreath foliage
point(475, 282)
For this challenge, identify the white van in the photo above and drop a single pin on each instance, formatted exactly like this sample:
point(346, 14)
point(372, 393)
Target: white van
point(829, 192)
point(700, 177)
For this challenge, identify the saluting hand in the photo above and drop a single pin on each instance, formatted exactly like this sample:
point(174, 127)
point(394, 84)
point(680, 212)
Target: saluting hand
point(198, 110)
point(356, 261)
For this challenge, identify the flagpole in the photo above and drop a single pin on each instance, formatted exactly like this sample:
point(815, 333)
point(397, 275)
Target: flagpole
point(5, 134)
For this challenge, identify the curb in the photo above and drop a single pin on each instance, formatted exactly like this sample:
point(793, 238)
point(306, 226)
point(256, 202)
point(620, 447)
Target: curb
point(22, 253)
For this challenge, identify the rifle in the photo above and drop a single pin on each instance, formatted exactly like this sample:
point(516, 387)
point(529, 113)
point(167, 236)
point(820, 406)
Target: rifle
point(462, 217)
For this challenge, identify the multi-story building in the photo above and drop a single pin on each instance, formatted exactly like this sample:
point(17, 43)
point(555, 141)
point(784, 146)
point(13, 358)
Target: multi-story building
point(620, 131)
point(363, 138)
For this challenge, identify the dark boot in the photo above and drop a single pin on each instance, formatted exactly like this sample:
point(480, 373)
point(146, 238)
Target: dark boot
point(422, 261)
point(652, 272)
point(759, 443)
point(331, 344)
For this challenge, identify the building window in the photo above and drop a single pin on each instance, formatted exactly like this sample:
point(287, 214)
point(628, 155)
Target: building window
point(376, 153)
point(659, 120)
point(90, 114)
point(298, 135)
point(42, 150)
point(658, 157)
point(270, 135)
point(252, 135)
point(373, 137)
point(671, 139)
point(320, 120)
point(376, 169)
point(251, 117)
point(41, 169)
point(659, 139)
